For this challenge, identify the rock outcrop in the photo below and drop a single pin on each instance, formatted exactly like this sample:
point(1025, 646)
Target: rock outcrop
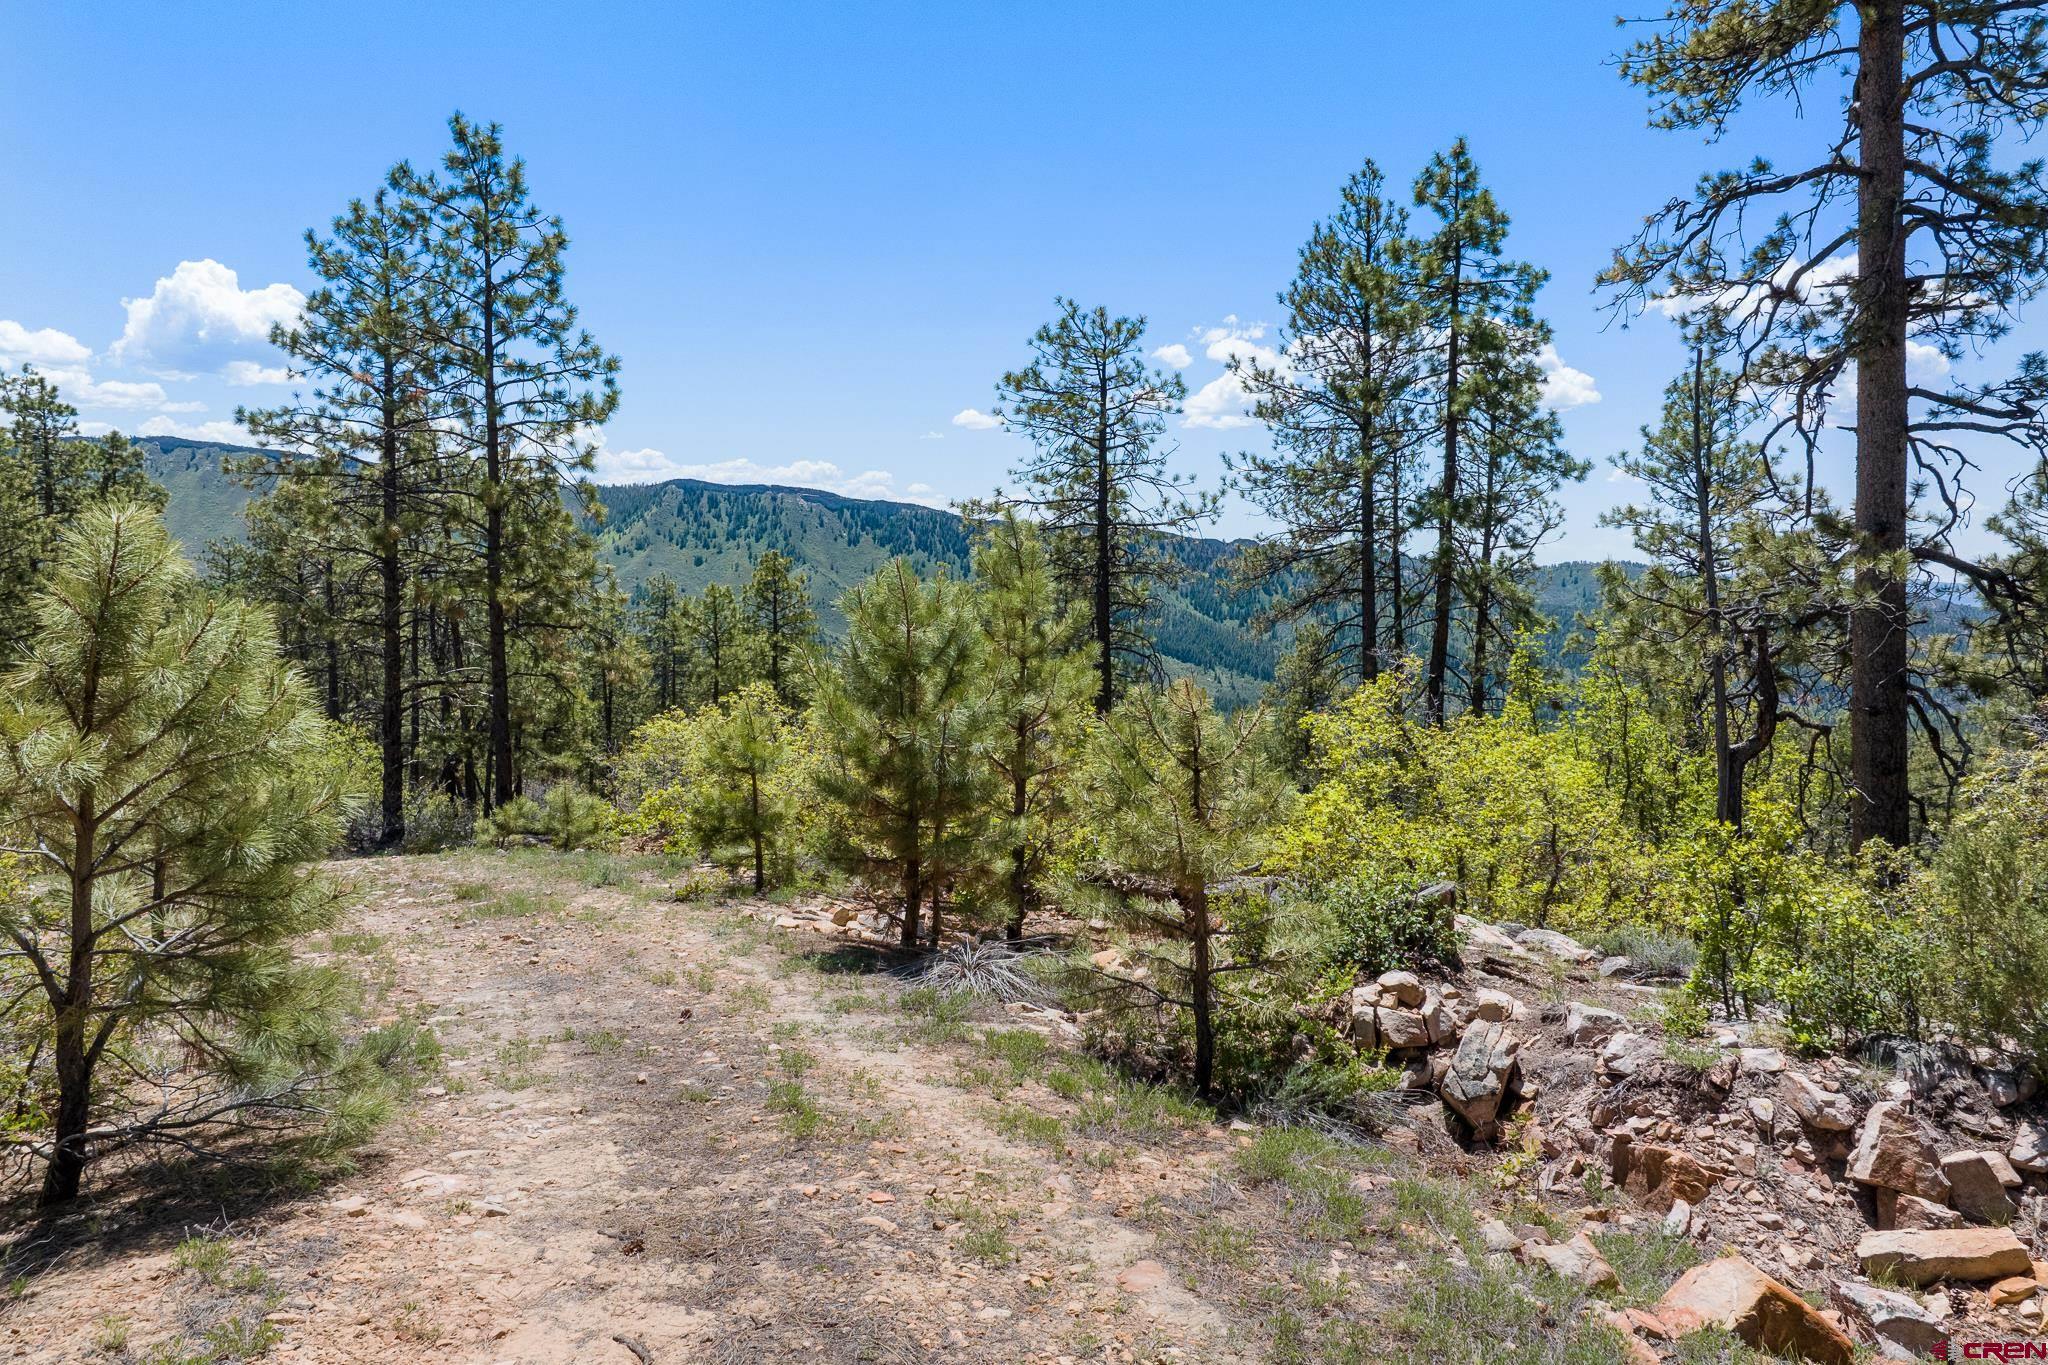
point(1734, 1295)
point(1968, 1254)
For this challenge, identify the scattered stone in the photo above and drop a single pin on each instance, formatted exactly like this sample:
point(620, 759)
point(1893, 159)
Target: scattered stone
point(1909, 1212)
point(1401, 1028)
point(2003, 1087)
point(1678, 1218)
point(1404, 987)
point(407, 1219)
point(878, 1223)
point(1895, 1150)
point(1556, 944)
point(1657, 1176)
point(2029, 1150)
point(1498, 1236)
point(844, 916)
point(1585, 1024)
point(1627, 1053)
point(2016, 1289)
point(1484, 937)
point(1902, 1328)
point(1919, 1258)
point(1827, 1111)
point(881, 1197)
point(1107, 959)
point(1496, 1007)
point(1761, 1061)
point(1478, 1078)
point(1978, 1182)
point(1577, 1260)
point(1614, 966)
point(1734, 1295)
point(1141, 1277)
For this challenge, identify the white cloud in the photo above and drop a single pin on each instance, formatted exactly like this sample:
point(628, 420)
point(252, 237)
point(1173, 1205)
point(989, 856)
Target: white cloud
point(45, 346)
point(1563, 386)
point(1174, 354)
point(219, 430)
point(246, 373)
point(198, 317)
point(80, 389)
point(1221, 405)
point(933, 436)
point(974, 419)
point(1924, 363)
point(1821, 284)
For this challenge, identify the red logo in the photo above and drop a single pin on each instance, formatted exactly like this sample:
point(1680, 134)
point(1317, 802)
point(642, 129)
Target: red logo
point(1996, 1350)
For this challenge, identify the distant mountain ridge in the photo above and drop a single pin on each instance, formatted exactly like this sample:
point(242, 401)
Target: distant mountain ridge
point(701, 533)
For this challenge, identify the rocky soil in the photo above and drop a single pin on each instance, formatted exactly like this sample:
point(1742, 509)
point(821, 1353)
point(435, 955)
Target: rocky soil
point(722, 1131)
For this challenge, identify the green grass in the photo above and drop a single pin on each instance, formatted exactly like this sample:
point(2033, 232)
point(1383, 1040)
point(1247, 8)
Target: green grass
point(1118, 1106)
point(984, 1227)
point(1312, 1175)
point(471, 891)
point(1019, 1049)
point(603, 1042)
point(518, 904)
point(936, 1017)
point(360, 944)
point(1646, 1262)
point(1028, 1125)
point(1219, 1241)
point(798, 1114)
point(516, 1059)
point(1493, 1314)
point(204, 1255)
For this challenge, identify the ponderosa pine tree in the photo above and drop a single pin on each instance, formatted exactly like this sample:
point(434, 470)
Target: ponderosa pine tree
point(1723, 589)
point(1040, 685)
point(524, 384)
point(1097, 481)
point(904, 721)
point(1514, 447)
point(1475, 303)
point(658, 610)
point(744, 796)
point(1178, 798)
point(367, 437)
point(721, 647)
point(1899, 230)
point(167, 782)
point(784, 625)
point(614, 664)
point(1341, 411)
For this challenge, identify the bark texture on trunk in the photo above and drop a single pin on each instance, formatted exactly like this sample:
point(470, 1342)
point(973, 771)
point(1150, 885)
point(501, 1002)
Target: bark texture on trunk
point(1878, 699)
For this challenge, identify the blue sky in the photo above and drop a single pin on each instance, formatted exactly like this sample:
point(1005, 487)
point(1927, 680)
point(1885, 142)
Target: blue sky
point(817, 233)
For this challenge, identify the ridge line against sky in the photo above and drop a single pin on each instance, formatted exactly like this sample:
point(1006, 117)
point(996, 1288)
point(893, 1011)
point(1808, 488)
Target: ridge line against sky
point(817, 236)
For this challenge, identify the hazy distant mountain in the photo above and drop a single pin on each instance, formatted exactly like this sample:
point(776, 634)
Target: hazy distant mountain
point(701, 533)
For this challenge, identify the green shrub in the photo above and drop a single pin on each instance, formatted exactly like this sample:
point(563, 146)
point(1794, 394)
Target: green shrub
point(569, 819)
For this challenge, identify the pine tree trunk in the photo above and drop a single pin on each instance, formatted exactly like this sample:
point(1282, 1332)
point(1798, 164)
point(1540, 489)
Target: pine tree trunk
point(70, 1058)
point(390, 623)
point(1440, 620)
point(913, 900)
point(754, 819)
point(1197, 901)
point(1105, 625)
point(1020, 793)
point(1880, 807)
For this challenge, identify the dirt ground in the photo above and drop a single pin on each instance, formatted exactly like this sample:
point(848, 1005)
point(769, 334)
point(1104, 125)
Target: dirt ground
point(665, 1132)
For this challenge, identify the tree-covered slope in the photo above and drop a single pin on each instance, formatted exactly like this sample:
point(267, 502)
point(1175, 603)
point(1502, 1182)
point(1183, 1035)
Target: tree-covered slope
point(703, 533)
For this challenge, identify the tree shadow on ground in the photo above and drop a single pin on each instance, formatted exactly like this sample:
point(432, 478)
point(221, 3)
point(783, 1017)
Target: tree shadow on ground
point(147, 1204)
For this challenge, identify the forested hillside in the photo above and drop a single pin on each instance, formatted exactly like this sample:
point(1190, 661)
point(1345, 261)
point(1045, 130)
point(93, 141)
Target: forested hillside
point(703, 533)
